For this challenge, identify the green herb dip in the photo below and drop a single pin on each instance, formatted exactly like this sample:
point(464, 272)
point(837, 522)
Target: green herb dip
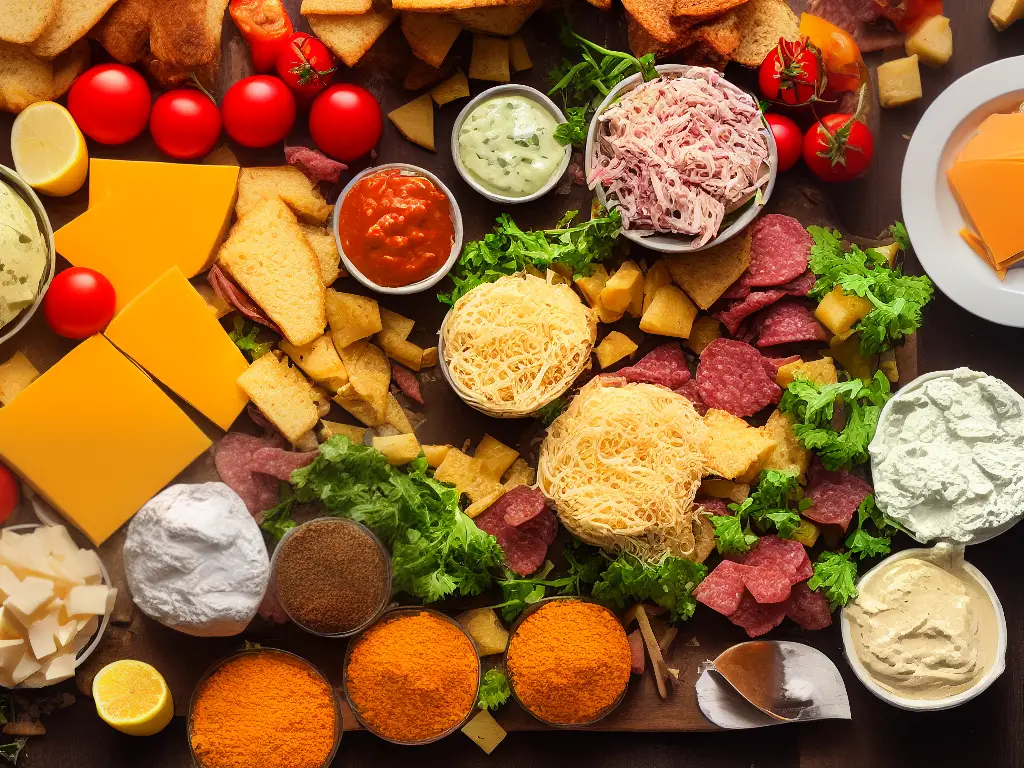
point(22, 254)
point(507, 144)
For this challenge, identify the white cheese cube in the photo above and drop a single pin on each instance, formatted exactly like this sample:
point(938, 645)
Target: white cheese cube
point(10, 627)
point(86, 566)
point(25, 668)
point(63, 577)
point(66, 633)
point(58, 541)
point(8, 581)
point(11, 652)
point(42, 636)
point(90, 599)
point(59, 668)
point(31, 595)
point(485, 731)
point(86, 629)
point(34, 551)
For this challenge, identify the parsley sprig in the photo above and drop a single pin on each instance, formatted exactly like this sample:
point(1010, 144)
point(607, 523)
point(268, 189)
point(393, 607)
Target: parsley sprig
point(774, 506)
point(494, 690)
point(244, 335)
point(835, 575)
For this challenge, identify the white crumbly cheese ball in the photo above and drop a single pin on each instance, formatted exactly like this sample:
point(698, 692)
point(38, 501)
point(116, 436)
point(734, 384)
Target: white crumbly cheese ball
point(196, 561)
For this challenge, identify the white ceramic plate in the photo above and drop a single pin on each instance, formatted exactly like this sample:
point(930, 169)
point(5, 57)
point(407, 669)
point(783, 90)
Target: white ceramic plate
point(930, 210)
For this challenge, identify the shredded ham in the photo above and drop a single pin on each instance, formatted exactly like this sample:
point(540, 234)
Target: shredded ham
point(677, 153)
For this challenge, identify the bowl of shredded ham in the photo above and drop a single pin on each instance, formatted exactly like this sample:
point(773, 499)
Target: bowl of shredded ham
point(686, 158)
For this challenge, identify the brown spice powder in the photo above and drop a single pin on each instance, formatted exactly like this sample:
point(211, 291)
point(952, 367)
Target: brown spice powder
point(331, 576)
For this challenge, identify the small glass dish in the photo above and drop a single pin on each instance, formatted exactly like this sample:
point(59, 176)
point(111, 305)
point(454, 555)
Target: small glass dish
point(386, 594)
point(511, 680)
point(338, 723)
point(391, 615)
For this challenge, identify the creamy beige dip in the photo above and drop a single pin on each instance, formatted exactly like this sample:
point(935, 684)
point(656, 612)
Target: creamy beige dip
point(923, 627)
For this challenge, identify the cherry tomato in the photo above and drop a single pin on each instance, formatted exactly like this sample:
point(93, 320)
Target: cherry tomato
point(110, 103)
point(305, 65)
point(185, 124)
point(787, 139)
point(10, 493)
point(345, 122)
point(80, 302)
point(791, 73)
point(258, 111)
point(839, 147)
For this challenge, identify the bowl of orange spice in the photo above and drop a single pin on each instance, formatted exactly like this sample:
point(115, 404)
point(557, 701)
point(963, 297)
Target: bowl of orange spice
point(568, 661)
point(263, 707)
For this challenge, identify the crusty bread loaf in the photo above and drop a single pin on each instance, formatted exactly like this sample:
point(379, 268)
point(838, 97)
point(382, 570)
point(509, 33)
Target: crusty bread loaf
point(282, 394)
point(23, 21)
point(73, 21)
point(762, 24)
point(285, 182)
point(704, 9)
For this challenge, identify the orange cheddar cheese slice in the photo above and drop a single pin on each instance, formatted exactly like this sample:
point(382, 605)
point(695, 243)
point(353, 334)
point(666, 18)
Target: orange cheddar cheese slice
point(999, 136)
point(145, 218)
point(97, 438)
point(169, 330)
point(989, 192)
point(978, 246)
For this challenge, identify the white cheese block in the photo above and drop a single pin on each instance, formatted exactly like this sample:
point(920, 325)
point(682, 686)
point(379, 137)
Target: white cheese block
point(31, 595)
point(86, 566)
point(27, 667)
point(66, 632)
point(90, 599)
point(42, 636)
point(86, 629)
point(10, 627)
point(11, 652)
point(58, 541)
point(8, 581)
point(59, 668)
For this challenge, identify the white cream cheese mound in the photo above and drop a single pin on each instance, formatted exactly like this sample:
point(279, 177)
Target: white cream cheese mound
point(948, 459)
point(196, 561)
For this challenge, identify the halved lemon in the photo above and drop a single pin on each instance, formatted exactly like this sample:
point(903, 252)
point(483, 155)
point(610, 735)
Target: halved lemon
point(132, 697)
point(49, 149)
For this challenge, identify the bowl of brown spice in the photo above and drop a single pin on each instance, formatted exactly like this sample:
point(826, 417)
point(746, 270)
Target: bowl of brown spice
point(413, 677)
point(568, 661)
point(332, 576)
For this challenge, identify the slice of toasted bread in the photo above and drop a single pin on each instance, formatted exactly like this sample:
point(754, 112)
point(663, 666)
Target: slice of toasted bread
point(704, 9)
point(430, 35)
point(23, 21)
point(350, 37)
point(73, 22)
point(762, 24)
point(655, 16)
point(502, 21)
point(268, 255)
point(721, 35)
point(326, 248)
point(282, 394)
point(641, 42)
point(284, 182)
point(604, 5)
point(24, 78)
point(444, 6)
point(341, 7)
point(68, 66)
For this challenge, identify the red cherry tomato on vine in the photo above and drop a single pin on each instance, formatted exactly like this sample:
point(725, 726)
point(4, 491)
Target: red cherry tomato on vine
point(258, 111)
point(110, 103)
point(185, 124)
point(305, 65)
point(791, 73)
point(10, 493)
point(838, 148)
point(345, 122)
point(788, 139)
point(79, 303)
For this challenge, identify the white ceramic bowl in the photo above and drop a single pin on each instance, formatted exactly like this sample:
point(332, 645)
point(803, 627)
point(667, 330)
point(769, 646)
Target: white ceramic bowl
point(28, 194)
point(672, 243)
point(926, 705)
point(456, 215)
point(511, 89)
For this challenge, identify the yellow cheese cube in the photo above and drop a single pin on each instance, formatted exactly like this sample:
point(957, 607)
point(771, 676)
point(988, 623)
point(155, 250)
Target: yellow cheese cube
point(399, 449)
point(592, 285)
point(435, 454)
point(821, 371)
point(657, 277)
point(88, 600)
point(485, 731)
point(16, 374)
point(486, 629)
point(705, 330)
point(10, 627)
point(613, 348)
point(1004, 12)
point(789, 454)
point(733, 449)
point(899, 82)
point(625, 289)
point(717, 488)
point(838, 311)
point(29, 596)
point(670, 313)
point(932, 41)
point(42, 636)
point(168, 330)
point(495, 457)
point(847, 353)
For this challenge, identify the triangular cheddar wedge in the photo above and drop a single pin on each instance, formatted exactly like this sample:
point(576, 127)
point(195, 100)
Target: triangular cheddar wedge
point(415, 121)
point(989, 191)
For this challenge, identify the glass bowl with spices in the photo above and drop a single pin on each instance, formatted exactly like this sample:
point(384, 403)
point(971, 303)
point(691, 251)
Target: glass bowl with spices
point(264, 707)
point(332, 576)
point(413, 677)
point(568, 661)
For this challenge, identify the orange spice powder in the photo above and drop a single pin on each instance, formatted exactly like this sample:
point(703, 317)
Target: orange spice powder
point(266, 710)
point(413, 677)
point(568, 661)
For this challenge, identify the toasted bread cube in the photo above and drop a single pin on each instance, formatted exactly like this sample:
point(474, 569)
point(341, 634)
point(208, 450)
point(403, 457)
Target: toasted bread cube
point(320, 361)
point(1004, 12)
point(624, 289)
point(847, 353)
point(671, 313)
point(486, 628)
point(717, 488)
point(520, 473)
point(838, 311)
point(16, 374)
point(932, 41)
point(821, 371)
point(733, 449)
point(705, 330)
point(399, 449)
point(331, 429)
point(282, 394)
point(789, 454)
point(613, 348)
point(351, 318)
point(899, 82)
point(435, 454)
point(495, 456)
point(806, 533)
point(592, 285)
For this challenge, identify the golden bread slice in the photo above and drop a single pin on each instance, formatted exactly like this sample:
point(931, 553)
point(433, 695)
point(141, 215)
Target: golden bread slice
point(704, 9)
point(443, 6)
point(124, 31)
point(68, 66)
point(326, 248)
point(23, 21)
point(282, 394)
point(655, 16)
point(501, 20)
point(24, 78)
point(285, 182)
point(721, 35)
point(762, 24)
point(341, 7)
point(350, 37)
point(430, 35)
point(72, 23)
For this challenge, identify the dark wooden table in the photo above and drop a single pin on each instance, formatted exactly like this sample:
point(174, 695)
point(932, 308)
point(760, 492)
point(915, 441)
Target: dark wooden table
point(989, 731)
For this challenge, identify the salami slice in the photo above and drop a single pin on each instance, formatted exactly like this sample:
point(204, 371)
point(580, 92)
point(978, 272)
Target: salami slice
point(233, 459)
point(544, 526)
point(522, 504)
point(766, 584)
point(664, 365)
point(757, 618)
point(722, 589)
point(801, 286)
point(788, 322)
point(738, 311)
point(834, 496)
point(785, 554)
point(779, 248)
point(225, 287)
point(717, 507)
point(279, 463)
point(736, 291)
point(690, 391)
point(731, 376)
point(524, 553)
point(808, 608)
point(525, 546)
point(407, 382)
point(316, 165)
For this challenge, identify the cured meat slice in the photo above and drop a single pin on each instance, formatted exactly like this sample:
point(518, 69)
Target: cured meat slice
point(316, 165)
point(225, 287)
point(737, 312)
point(731, 377)
point(788, 322)
point(279, 463)
point(544, 526)
point(785, 554)
point(525, 546)
point(834, 496)
point(757, 618)
point(722, 589)
point(779, 248)
point(664, 365)
point(637, 657)
point(407, 382)
point(767, 584)
point(736, 291)
point(521, 504)
point(808, 608)
point(801, 286)
point(524, 553)
point(233, 459)
point(718, 507)
point(690, 391)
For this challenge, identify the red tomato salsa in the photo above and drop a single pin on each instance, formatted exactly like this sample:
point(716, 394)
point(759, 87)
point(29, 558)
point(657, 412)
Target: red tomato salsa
point(396, 229)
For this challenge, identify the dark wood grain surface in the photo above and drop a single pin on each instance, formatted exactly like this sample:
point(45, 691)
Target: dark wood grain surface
point(986, 732)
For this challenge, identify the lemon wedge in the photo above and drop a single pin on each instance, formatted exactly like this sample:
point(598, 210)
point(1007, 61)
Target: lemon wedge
point(132, 697)
point(49, 149)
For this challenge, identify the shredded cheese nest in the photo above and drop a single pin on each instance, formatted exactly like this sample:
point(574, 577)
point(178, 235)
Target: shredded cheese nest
point(622, 466)
point(512, 346)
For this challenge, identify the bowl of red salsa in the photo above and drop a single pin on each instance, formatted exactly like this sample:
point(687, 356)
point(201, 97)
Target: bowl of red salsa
point(398, 228)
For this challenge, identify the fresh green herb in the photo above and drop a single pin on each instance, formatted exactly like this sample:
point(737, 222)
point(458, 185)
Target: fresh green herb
point(436, 550)
point(574, 129)
point(244, 336)
point(732, 534)
point(897, 299)
point(278, 519)
point(900, 235)
point(874, 532)
point(249, 645)
point(552, 411)
point(518, 594)
point(814, 408)
point(834, 576)
point(775, 505)
point(509, 249)
point(494, 690)
point(669, 582)
point(12, 750)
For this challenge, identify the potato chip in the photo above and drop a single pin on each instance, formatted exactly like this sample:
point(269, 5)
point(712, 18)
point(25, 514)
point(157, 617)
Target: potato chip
point(705, 275)
point(398, 449)
point(489, 60)
point(395, 416)
point(520, 473)
point(394, 324)
point(430, 35)
point(350, 37)
point(351, 317)
point(455, 87)
point(369, 374)
point(430, 357)
point(405, 352)
point(335, 429)
point(733, 449)
point(504, 21)
point(789, 454)
point(352, 402)
point(415, 121)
